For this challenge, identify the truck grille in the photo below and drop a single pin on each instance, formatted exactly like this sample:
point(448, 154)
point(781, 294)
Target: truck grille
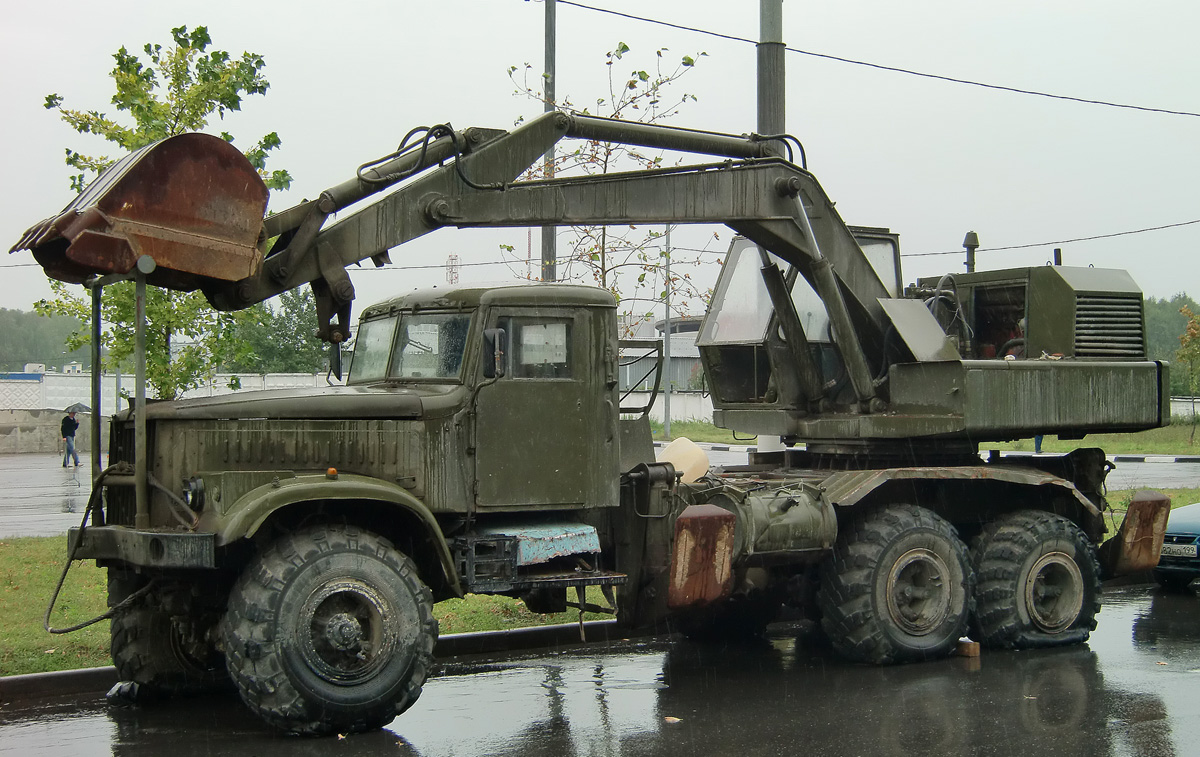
point(1109, 327)
point(121, 501)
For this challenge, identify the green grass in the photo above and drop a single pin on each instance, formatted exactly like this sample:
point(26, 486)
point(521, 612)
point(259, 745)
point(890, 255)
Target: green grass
point(698, 431)
point(29, 569)
point(485, 612)
point(1172, 440)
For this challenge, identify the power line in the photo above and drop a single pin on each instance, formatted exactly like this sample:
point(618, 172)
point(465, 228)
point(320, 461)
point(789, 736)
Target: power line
point(432, 266)
point(893, 69)
point(1060, 241)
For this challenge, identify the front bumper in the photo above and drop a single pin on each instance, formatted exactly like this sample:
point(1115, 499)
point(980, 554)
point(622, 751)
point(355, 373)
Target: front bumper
point(149, 548)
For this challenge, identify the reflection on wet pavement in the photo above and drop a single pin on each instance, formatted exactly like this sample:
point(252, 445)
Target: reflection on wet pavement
point(39, 497)
point(1131, 691)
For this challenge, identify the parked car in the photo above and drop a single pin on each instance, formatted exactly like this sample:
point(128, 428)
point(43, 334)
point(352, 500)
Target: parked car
point(1179, 564)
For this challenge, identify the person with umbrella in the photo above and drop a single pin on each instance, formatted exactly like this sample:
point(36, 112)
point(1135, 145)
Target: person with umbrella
point(69, 427)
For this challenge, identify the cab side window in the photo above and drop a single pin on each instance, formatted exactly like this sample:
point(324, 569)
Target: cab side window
point(539, 348)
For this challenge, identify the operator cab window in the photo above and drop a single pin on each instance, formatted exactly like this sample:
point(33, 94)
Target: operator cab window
point(539, 348)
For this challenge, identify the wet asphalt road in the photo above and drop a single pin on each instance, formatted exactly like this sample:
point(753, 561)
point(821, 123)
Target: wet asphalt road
point(38, 497)
point(1131, 691)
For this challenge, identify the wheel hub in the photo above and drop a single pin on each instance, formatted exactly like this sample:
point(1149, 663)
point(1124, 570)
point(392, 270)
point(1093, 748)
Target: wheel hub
point(343, 630)
point(918, 593)
point(1054, 592)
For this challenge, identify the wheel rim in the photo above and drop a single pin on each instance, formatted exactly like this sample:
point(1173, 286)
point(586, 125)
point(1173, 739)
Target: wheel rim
point(1054, 592)
point(918, 592)
point(345, 627)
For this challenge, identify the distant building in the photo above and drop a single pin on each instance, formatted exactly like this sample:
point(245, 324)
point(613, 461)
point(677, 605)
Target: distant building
point(685, 372)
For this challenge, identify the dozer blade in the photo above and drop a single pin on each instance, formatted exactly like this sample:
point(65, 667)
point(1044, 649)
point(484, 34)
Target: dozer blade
point(191, 202)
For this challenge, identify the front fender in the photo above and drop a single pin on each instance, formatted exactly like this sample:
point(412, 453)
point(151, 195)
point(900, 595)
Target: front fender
point(253, 508)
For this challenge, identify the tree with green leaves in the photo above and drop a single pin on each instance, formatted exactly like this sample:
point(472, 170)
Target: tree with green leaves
point(1189, 355)
point(628, 261)
point(170, 91)
point(278, 339)
point(1165, 323)
point(176, 90)
point(29, 338)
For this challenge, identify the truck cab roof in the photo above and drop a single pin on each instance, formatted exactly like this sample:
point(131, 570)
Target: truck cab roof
point(467, 298)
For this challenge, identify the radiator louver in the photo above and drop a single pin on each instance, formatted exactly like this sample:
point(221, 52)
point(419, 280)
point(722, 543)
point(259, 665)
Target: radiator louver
point(1109, 327)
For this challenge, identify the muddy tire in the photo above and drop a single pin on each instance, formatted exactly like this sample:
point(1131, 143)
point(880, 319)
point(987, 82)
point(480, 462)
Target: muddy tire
point(1038, 582)
point(165, 655)
point(329, 631)
point(897, 587)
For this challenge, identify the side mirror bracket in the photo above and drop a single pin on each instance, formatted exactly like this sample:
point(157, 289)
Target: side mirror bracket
point(495, 345)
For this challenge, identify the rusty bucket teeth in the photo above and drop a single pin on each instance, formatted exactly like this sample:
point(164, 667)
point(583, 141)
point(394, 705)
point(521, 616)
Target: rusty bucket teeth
point(191, 202)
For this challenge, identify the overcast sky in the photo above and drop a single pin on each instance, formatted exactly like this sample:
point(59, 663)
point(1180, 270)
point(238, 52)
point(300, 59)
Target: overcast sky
point(929, 159)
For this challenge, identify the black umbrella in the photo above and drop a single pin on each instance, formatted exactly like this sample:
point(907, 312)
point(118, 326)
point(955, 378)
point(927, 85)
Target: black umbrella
point(78, 407)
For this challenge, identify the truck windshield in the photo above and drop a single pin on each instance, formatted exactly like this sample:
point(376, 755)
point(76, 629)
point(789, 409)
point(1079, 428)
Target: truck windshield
point(372, 347)
point(430, 345)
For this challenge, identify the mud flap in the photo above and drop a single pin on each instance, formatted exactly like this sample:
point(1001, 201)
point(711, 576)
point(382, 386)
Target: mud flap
point(1138, 544)
point(701, 560)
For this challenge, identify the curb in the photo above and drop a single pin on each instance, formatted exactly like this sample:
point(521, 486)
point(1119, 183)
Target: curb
point(57, 683)
point(99, 680)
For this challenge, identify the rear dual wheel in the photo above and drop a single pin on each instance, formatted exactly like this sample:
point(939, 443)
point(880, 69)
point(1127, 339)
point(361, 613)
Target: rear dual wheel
point(1038, 582)
point(897, 587)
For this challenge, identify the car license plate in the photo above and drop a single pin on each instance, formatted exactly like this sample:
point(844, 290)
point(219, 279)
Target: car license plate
point(1179, 550)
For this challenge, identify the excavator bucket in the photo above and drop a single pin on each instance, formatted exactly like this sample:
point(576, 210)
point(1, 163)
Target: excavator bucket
point(191, 202)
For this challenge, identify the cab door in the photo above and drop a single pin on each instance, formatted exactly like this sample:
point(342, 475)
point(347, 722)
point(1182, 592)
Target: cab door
point(542, 436)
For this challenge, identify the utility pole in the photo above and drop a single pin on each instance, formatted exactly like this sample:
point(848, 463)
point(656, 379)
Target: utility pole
point(772, 99)
point(772, 96)
point(667, 341)
point(549, 254)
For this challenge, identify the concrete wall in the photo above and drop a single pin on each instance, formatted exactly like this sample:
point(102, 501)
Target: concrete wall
point(31, 406)
point(24, 431)
point(55, 390)
point(1183, 407)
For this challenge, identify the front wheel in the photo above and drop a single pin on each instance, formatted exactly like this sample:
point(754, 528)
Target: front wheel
point(897, 587)
point(330, 630)
point(1038, 582)
point(163, 641)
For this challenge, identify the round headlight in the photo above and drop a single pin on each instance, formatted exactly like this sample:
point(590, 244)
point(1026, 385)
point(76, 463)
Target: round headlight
point(193, 493)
